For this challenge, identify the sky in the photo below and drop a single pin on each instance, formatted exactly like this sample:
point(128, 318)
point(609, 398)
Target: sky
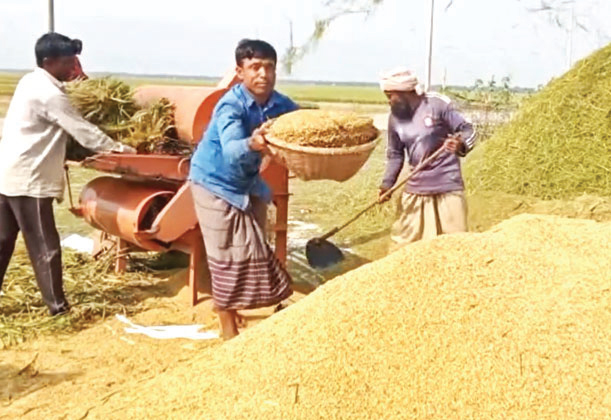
point(473, 39)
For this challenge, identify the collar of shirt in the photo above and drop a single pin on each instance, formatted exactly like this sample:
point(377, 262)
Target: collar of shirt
point(250, 100)
point(43, 72)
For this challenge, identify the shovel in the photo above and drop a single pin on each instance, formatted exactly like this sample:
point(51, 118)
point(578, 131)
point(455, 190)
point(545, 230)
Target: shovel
point(322, 253)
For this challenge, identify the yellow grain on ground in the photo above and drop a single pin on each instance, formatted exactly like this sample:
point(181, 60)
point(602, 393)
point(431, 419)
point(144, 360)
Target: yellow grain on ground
point(311, 127)
point(512, 323)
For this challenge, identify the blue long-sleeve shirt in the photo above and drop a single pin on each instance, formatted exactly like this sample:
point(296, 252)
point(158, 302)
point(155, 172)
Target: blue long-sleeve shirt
point(223, 162)
point(419, 137)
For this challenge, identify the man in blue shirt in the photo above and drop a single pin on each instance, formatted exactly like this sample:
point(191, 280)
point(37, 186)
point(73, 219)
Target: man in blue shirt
point(231, 197)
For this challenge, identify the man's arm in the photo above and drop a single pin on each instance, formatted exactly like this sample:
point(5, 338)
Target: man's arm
point(395, 156)
point(236, 142)
point(60, 111)
point(459, 125)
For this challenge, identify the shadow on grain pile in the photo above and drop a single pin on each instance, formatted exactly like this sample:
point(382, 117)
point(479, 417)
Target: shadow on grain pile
point(16, 382)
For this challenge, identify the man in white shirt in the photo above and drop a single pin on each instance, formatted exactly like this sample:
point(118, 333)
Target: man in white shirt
point(38, 123)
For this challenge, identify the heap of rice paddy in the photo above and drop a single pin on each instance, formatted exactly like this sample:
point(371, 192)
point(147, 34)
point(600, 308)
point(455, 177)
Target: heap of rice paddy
point(310, 127)
point(511, 323)
point(559, 143)
point(109, 104)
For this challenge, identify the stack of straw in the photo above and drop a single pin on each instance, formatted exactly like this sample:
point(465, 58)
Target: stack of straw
point(558, 146)
point(109, 104)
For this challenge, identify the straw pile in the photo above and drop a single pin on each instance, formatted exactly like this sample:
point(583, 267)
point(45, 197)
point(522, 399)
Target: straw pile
point(109, 104)
point(92, 289)
point(309, 127)
point(512, 323)
point(559, 143)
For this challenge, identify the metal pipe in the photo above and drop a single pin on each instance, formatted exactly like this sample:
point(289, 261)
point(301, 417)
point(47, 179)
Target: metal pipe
point(51, 16)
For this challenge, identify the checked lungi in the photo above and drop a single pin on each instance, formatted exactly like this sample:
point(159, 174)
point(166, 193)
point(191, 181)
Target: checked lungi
point(245, 272)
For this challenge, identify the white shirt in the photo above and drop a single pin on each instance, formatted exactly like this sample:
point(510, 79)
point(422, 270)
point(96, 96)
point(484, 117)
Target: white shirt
point(36, 128)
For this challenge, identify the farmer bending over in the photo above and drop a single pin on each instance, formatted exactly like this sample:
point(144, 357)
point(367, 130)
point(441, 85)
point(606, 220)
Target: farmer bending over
point(433, 202)
point(32, 150)
point(231, 197)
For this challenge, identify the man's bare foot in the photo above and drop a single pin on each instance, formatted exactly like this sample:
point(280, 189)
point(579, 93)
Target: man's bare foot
point(229, 327)
point(240, 320)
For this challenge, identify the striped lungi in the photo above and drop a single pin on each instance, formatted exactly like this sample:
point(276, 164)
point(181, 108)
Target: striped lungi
point(426, 216)
point(244, 270)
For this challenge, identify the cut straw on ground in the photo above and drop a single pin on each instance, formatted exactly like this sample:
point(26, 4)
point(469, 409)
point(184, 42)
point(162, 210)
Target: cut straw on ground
point(93, 291)
point(109, 103)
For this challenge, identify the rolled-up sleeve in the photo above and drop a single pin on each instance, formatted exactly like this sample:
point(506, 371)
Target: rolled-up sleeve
point(60, 111)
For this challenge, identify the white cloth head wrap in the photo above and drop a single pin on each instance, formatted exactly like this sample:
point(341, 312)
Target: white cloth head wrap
point(400, 79)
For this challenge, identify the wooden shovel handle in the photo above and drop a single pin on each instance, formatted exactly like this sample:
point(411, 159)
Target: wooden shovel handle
point(417, 169)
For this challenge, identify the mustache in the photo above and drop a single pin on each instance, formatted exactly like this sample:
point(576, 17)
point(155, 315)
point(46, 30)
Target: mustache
point(401, 110)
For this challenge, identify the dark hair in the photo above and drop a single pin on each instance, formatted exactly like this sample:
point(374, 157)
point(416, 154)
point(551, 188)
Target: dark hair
point(254, 48)
point(53, 45)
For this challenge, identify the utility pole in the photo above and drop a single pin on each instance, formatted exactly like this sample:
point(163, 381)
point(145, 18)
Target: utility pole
point(569, 53)
point(429, 61)
point(445, 78)
point(291, 45)
point(51, 17)
point(289, 63)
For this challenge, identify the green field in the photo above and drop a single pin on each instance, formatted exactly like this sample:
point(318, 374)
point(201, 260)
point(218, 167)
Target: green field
point(355, 97)
point(301, 92)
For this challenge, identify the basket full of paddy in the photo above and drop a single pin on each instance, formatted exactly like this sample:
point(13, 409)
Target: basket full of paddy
point(315, 144)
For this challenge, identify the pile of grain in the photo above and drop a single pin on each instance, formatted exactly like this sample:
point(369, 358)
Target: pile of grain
point(559, 143)
point(109, 104)
point(309, 127)
point(510, 323)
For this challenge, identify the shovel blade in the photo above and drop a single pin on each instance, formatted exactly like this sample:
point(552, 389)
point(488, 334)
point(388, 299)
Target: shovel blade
point(322, 253)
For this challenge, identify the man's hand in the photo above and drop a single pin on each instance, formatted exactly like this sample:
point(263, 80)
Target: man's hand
point(381, 192)
point(257, 141)
point(452, 143)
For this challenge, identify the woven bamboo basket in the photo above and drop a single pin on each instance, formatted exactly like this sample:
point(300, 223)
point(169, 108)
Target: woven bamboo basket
point(310, 163)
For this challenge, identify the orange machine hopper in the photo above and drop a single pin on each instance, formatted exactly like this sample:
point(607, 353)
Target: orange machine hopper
point(193, 104)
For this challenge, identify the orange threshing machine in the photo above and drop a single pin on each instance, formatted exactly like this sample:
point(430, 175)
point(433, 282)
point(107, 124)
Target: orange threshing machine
point(147, 202)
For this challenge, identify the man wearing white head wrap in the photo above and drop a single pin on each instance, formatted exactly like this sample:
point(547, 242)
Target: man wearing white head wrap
point(433, 202)
point(400, 79)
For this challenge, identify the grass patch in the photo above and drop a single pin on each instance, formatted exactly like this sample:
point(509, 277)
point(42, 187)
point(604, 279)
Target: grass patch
point(68, 223)
point(363, 94)
point(329, 203)
point(4, 102)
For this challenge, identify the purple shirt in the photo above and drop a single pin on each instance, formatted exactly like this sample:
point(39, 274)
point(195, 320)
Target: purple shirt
point(419, 137)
